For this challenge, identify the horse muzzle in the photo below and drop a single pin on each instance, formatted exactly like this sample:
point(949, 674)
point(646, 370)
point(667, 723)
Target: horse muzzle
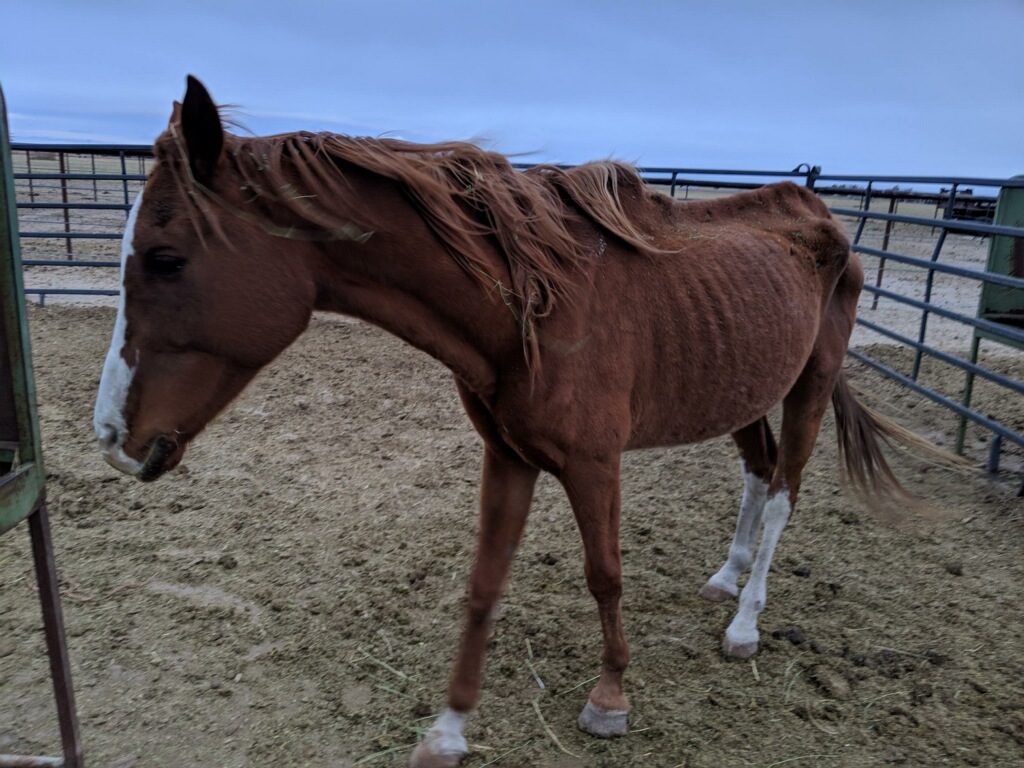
point(164, 454)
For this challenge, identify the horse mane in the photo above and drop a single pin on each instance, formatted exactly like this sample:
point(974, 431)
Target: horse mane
point(470, 198)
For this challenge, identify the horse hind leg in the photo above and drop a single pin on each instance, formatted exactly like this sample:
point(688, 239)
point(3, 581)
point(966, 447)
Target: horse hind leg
point(803, 409)
point(758, 453)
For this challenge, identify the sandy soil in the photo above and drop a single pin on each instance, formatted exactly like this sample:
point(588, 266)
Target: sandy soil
point(293, 597)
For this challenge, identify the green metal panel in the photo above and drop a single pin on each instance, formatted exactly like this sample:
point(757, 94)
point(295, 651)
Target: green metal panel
point(999, 303)
point(21, 461)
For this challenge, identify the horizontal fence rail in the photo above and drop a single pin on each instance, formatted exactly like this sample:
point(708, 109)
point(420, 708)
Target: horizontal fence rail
point(73, 200)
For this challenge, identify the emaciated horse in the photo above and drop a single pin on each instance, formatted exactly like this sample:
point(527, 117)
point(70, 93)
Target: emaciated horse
point(582, 315)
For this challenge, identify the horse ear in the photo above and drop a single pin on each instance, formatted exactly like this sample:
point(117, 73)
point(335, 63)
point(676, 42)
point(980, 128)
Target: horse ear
point(204, 134)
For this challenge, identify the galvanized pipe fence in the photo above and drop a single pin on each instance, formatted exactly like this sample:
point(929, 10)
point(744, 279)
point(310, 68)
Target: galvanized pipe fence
point(73, 200)
point(72, 203)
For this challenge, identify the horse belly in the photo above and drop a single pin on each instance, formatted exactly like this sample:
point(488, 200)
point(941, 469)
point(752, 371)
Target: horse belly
point(726, 375)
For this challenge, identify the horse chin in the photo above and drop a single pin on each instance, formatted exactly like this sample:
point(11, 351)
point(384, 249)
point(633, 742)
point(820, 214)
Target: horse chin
point(163, 456)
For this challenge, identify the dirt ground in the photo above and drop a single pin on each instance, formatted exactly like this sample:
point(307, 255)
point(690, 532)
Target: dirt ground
point(293, 597)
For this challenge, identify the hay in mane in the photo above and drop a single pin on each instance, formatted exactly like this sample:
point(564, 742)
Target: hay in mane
point(472, 200)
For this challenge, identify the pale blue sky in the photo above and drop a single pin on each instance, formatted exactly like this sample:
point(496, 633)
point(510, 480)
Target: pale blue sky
point(893, 86)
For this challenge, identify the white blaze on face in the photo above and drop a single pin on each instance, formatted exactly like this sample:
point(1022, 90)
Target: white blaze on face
point(108, 418)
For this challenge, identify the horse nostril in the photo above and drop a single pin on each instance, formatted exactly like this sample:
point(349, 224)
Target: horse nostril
point(109, 437)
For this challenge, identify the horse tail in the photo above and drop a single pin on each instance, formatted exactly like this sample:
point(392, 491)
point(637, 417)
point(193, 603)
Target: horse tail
point(861, 433)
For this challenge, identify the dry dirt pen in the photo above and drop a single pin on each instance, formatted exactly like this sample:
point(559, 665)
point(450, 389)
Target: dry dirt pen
point(293, 597)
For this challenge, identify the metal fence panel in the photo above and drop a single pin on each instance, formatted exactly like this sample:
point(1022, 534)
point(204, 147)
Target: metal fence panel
point(73, 201)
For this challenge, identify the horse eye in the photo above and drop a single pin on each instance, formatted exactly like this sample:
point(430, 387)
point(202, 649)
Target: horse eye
point(162, 264)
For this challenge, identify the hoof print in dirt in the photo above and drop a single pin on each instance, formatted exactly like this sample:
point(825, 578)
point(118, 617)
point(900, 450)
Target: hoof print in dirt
point(227, 562)
point(831, 682)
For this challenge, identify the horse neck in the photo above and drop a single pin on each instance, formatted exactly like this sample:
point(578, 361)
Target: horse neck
point(404, 281)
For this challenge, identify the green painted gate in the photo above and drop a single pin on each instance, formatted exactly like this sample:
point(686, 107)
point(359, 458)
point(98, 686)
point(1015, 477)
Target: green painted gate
point(22, 477)
point(999, 303)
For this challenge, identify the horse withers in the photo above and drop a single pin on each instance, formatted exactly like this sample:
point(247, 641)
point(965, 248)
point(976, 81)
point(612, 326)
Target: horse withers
point(581, 313)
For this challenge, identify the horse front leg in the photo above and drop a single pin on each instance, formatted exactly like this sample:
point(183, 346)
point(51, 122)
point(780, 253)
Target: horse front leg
point(506, 490)
point(593, 490)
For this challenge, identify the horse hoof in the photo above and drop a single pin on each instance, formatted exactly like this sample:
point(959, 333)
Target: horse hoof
point(424, 757)
point(716, 594)
point(603, 723)
point(739, 650)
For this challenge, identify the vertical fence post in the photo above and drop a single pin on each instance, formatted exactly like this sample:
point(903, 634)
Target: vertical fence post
point(64, 199)
point(918, 353)
point(930, 279)
point(994, 449)
point(951, 203)
point(95, 194)
point(889, 225)
point(885, 246)
point(124, 175)
point(864, 219)
point(31, 185)
point(813, 172)
point(672, 190)
point(56, 643)
point(961, 432)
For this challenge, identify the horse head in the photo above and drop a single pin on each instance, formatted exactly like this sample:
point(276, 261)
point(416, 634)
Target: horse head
point(207, 298)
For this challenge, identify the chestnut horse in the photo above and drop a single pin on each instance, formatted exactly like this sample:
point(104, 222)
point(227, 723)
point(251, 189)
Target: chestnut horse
point(581, 314)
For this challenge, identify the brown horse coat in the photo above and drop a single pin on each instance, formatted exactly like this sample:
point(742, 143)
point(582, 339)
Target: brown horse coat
point(581, 313)
point(726, 317)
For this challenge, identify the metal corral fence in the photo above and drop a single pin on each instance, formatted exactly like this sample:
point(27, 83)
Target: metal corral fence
point(72, 203)
point(934, 290)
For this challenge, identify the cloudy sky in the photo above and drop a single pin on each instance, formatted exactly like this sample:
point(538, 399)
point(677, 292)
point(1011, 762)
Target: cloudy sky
point(885, 86)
